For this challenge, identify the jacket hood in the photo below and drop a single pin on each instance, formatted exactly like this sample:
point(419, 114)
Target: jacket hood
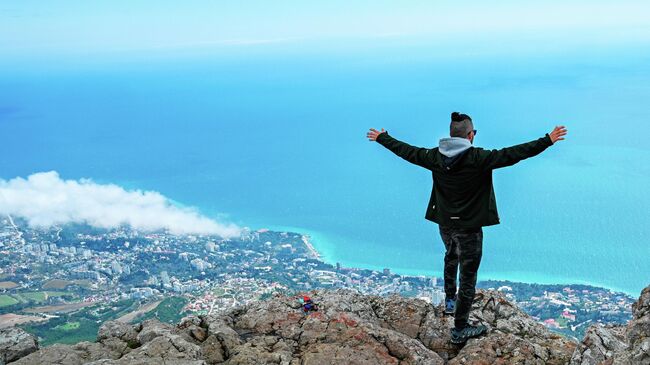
point(452, 146)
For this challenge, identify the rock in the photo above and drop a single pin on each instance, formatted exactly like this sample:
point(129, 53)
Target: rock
point(619, 345)
point(220, 330)
point(345, 331)
point(52, 355)
point(508, 325)
point(599, 344)
point(151, 329)
point(113, 348)
point(150, 361)
point(80, 353)
point(15, 343)
point(401, 314)
point(167, 346)
point(116, 329)
point(637, 331)
point(351, 328)
point(198, 333)
point(260, 350)
point(435, 334)
point(213, 351)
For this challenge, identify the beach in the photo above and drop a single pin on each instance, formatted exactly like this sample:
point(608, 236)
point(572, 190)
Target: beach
point(310, 247)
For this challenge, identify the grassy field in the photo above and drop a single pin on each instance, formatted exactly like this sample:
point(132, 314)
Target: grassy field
point(6, 300)
point(41, 296)
point(68, 326)
point(35, 297)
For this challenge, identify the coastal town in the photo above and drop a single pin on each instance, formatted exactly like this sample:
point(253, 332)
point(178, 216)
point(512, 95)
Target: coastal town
point(62, 282)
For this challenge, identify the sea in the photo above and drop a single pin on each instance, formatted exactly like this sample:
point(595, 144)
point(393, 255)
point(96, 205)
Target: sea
point(274, 136)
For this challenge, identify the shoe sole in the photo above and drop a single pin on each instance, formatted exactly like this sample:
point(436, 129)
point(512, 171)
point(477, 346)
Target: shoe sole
point(461, 340)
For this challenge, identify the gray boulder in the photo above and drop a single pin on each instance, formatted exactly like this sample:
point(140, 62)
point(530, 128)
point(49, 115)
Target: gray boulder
point(599, 344)
point(15, 343)
point(53, 355)
point(151, 329)
point(116, 329)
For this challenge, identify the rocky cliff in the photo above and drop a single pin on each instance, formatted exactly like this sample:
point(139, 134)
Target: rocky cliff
point(349, 328)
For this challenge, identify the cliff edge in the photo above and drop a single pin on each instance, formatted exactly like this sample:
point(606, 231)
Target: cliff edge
point(349, 328)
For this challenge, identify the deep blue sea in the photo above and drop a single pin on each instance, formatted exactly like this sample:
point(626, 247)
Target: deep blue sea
point(276, 138)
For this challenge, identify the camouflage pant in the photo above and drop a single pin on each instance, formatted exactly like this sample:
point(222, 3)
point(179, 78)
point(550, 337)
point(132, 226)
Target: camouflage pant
point(464, 248)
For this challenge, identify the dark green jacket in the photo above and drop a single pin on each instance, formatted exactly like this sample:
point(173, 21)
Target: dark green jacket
point(462, 193)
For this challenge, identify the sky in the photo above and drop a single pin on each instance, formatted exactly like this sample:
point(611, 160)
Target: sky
point(29, 28)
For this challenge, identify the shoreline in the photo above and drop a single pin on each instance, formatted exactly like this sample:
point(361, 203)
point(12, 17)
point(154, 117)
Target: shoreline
point(310, 240)
point(305, 239)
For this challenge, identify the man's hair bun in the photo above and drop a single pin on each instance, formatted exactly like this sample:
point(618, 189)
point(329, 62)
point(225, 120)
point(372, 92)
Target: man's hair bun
point(457, 117)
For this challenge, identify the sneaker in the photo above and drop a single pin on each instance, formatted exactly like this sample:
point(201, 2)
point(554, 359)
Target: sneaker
point(469, 331)
point(450, 306)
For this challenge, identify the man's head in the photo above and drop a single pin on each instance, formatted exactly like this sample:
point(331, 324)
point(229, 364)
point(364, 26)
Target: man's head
point(461, 126)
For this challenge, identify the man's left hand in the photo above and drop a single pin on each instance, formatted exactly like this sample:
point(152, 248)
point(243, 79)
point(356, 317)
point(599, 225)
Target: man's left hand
point(373, 134)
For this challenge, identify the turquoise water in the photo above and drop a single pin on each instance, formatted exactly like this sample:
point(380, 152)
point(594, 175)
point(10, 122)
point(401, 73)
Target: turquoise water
point(278, 139)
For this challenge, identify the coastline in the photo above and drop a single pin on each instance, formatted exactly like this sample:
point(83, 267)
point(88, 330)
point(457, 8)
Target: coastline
point(310, 247)
point(321, 249)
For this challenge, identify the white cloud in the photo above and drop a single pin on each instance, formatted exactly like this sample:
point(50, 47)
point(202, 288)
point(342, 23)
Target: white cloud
point(44, 199)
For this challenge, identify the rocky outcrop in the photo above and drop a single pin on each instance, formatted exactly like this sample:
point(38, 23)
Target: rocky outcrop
point(15, 343)
point(351, 328)
point(618, 345)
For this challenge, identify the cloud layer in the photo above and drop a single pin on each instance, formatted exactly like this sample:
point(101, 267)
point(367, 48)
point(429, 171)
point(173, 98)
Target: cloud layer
point(44, 199)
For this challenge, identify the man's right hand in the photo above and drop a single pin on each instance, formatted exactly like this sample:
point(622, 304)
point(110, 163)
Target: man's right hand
point(558, 133)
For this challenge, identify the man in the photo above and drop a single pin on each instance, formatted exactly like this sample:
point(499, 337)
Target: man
point(462, 202)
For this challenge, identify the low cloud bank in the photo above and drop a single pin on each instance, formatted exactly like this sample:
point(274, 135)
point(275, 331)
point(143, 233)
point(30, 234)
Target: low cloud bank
point(44, 199)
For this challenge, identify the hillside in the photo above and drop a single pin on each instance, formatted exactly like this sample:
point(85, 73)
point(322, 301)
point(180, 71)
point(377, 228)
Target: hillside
point(349, 328)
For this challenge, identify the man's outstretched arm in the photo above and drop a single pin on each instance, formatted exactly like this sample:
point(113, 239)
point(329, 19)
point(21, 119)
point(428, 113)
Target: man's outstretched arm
point(509, 156)
point(416, 155)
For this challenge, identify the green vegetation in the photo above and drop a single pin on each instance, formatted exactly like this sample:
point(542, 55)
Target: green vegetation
point(61, 330)
point(6, 300)
point(78, 326)
point(170, 310)
point(15, 302)
point(41, 296)
point(68, 326)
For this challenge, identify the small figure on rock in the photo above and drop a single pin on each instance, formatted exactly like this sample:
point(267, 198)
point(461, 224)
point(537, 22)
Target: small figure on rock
point(308, 305)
